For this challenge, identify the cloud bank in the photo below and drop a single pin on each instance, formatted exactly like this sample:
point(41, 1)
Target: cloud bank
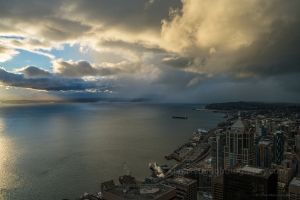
point(35, 78)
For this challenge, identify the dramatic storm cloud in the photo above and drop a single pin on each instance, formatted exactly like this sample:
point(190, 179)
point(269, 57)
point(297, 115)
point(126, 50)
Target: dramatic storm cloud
point(178, 50)
point(245, 38)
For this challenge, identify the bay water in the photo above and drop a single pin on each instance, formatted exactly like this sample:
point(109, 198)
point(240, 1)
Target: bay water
point(56, 151)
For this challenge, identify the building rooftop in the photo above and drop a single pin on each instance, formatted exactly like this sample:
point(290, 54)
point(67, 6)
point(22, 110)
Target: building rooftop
point(251, 170)
point(182, 180)
point(143, 191)
point(264, 141)
point(278, 133)
point(238, 124)
point(108, 184)
point(219, 179)
point(295, 182)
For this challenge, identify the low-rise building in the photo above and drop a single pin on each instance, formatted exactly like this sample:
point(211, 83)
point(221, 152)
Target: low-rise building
point(294, 189)
point(145, 192)
point(284, 175)
point(186, 189)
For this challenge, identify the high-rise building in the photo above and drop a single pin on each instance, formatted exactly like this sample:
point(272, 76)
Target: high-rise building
point(260, 132)
point(257, 126)
point(278, 146)
point(297, 145)
point(213, 152)
point(262, 153)
point(239, 146)
point(249, 183)
point(220, 143)
point(269, 125)
point(297, 142)
point(273, 127)
point(217, 144)
point(264, 131)
point(217, 188)
point(291, 127)
point(294, 189)
point(292, 133)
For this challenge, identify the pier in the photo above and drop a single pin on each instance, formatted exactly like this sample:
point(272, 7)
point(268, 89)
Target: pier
point(179, 148)
point(174, 156)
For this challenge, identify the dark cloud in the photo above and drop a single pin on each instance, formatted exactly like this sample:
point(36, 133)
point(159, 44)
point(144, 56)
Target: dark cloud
point(277, 53)
point(83, 68)
point(250, 39)
point(131, 15)
point(53, 83)
point(288, 82)
point(177, 62)
point(62, 29)
point(132, 46)
point(39, 18)
point(34, 72)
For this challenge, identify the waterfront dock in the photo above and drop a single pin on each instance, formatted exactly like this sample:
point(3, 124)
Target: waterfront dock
point(174, 156)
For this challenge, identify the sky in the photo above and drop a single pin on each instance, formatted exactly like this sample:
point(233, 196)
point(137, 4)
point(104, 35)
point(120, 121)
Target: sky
point(165, 50)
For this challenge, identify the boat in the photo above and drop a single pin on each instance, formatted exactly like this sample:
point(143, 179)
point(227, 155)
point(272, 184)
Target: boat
point(177, 117)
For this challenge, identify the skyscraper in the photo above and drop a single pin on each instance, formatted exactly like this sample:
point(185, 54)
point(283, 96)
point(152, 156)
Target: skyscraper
point(221, 142)
point(297, 142)
point(246, 182)
point(217, 188)
point(273, 127)
point(278, 146)
point(264, 130)
point(239, 146)
point(262, 153)
point(217, 144)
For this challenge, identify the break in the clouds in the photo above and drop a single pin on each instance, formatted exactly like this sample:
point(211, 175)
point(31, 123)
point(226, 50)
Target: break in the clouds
point(173, 45)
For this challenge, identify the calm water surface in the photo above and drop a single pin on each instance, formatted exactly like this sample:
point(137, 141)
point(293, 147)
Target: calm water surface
point(56, 151)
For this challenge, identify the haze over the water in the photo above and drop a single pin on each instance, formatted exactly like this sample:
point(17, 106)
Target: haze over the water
point(169, 50)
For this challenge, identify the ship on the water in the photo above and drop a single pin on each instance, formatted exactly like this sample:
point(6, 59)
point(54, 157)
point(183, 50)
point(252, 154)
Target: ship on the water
point(177, 117)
